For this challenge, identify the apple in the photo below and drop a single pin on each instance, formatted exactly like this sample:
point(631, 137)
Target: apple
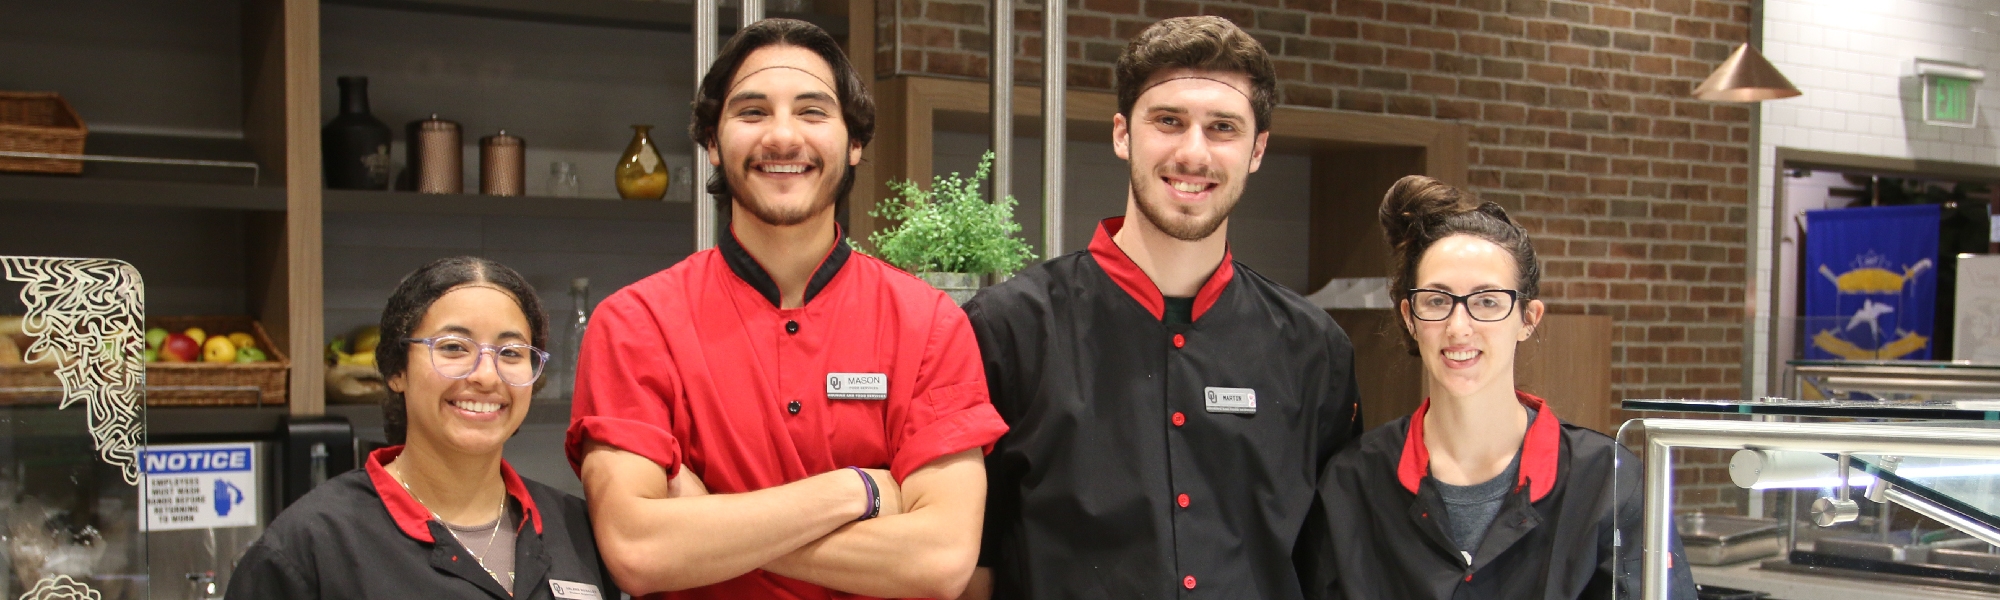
point(249, 355)
point(218, 349)
point(196, 333)
point(152, 355)
point(154, 337)
point(179, 348)
point(242, 340)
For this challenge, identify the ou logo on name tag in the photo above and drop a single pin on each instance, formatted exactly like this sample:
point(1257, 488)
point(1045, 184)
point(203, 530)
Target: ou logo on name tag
point(570, 590)
point(857, 386)
point(1240, 401)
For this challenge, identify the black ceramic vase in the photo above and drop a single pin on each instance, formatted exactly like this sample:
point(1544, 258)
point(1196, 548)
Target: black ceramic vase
point(354, 146)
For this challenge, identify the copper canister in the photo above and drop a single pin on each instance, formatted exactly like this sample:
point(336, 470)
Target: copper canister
point(435, 156)
point(503, 165)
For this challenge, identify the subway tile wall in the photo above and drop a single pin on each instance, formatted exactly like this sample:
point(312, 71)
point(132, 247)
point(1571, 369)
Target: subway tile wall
point(1855, 61)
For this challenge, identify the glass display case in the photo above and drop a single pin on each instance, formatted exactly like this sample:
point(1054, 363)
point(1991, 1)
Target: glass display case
point(72, 430)
point(1886, 484)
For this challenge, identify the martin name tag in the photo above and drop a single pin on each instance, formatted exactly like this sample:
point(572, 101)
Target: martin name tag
point(1240, 401)
point(570, 590)
point(857, 386)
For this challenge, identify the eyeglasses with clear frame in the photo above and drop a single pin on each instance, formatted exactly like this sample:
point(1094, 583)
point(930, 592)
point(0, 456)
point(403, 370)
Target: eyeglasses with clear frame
point(1485, 306)
point(457, 357)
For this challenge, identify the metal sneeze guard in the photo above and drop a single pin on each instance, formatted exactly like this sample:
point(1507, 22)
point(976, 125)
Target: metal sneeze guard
point(1868, 447)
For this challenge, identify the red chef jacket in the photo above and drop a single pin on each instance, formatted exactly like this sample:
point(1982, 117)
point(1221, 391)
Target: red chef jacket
point(698, 366)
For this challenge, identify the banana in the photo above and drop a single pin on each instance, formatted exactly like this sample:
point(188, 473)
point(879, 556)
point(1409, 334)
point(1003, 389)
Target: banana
point(10, 354)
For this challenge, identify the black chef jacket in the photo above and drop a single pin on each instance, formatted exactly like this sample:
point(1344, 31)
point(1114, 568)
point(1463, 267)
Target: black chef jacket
point(1552, 538)
point(362, 536)
point(1136, 466)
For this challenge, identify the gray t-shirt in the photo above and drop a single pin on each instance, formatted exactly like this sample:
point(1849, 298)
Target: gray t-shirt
point(492, 544)
point(1472, 508)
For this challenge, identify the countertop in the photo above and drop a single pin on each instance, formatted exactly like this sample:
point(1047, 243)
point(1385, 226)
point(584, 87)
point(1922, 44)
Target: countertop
point(1784, 585)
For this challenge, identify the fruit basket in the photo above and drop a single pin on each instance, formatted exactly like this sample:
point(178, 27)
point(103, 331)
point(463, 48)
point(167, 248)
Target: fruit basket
point(351, 374)
point(175, 383)
point(40, 122)
point(218, 384)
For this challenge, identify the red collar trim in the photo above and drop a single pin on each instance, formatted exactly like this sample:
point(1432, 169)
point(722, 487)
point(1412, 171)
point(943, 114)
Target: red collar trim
point(1139, 286)
point(413, 518)
point(1540, 450)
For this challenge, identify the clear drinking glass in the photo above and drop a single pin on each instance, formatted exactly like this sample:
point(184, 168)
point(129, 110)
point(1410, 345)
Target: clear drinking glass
point(562, 180)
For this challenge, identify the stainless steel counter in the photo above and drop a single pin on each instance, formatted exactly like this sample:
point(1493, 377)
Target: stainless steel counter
point(1801, 586)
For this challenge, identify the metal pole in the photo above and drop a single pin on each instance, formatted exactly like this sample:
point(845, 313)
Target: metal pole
point(1055, 53)
point(1659, 523)
point(704, 54)
point(753, 11)
point(1002, 105)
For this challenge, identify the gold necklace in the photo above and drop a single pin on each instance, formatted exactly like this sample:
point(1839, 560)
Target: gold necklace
point(491, 536)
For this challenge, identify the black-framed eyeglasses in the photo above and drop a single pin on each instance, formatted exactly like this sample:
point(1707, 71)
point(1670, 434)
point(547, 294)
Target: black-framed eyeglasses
point(457, 357)
point(1485, 305)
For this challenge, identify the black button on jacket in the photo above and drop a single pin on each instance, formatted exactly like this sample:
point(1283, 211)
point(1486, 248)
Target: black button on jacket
point(1552, 539)
point(1111, 429)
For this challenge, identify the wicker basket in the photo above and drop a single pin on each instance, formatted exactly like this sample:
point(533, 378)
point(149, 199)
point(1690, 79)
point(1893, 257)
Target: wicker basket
point(177, 384)
point(218, 384)
point(40, 122)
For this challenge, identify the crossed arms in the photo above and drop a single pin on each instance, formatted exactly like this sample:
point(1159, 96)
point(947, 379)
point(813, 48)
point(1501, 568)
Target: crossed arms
point(662, 534)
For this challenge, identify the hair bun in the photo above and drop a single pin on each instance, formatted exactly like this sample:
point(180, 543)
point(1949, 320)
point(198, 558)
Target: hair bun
point(1414, 203)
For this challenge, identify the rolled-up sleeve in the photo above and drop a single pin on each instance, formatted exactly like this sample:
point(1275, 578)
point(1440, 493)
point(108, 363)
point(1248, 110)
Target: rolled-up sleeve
point(951, 411)
point(626, 387)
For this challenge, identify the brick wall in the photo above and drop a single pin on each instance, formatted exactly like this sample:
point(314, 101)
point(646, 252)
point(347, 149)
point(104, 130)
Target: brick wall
point(1581, 121)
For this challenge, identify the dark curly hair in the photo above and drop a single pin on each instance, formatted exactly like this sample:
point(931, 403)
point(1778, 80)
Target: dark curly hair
point(1418, 211)
point(1201, 43)
point(412, 300)
point(857, 108)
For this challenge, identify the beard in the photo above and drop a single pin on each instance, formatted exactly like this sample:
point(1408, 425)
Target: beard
point(1181, 222)
point(825, 193)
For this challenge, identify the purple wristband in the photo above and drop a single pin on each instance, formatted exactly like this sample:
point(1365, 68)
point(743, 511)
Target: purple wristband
point(874, 495)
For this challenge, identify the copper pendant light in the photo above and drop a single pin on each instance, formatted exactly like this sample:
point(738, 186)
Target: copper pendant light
point(1745, 77)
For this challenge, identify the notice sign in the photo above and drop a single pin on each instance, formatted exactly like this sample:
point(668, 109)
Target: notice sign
point(200, 486)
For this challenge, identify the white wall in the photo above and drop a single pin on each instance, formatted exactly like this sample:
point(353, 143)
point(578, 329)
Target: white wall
point(1855, 62)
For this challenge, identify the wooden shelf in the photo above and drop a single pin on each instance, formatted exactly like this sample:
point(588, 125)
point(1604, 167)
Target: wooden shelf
point(131, 192)
point(129, 184)
point(621, 14)
point(259, 421)
point(519, 206)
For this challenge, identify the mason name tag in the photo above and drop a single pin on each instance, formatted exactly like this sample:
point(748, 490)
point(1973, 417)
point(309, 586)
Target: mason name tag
point(1241, 401)
point(857, 386)
point(570, 590)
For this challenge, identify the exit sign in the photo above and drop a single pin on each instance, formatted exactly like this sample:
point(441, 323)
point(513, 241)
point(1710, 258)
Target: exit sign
point(1951, 93)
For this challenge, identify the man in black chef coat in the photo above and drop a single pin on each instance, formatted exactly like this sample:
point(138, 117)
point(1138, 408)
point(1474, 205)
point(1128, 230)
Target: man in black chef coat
point(1170, 409)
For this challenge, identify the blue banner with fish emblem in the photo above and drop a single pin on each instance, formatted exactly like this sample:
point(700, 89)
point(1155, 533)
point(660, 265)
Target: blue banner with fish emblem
point(1871, 282)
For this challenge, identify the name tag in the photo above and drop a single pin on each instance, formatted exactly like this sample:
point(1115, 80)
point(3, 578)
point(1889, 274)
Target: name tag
point(570, 590)
point(1241, 401)
point(857, 386)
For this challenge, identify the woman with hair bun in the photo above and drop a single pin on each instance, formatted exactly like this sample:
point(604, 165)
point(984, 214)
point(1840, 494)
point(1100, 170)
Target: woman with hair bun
point(1483, 492)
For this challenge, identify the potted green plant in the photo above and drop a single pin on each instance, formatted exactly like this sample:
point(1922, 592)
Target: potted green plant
point(950, 235)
